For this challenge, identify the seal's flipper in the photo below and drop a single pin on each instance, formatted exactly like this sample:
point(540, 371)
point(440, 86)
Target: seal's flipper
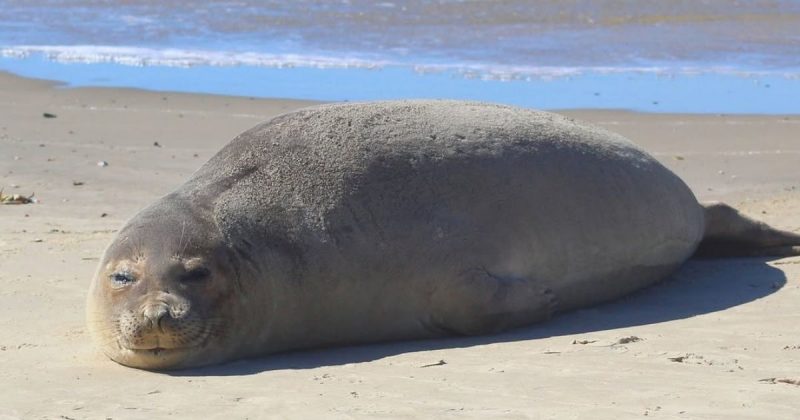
point(478, 302)
point(728, 233)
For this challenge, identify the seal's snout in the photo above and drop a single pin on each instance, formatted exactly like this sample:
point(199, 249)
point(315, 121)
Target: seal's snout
point(156, 314)
point(164, 317)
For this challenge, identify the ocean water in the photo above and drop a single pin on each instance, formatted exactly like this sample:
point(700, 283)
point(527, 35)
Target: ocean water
point(710, 56)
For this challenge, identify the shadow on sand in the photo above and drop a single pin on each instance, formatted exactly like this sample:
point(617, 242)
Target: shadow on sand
point(699, 287)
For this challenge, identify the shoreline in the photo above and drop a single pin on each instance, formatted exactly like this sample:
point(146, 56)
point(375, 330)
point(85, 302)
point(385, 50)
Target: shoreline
point(65, 85)
point(696, 93)
point(715, 340)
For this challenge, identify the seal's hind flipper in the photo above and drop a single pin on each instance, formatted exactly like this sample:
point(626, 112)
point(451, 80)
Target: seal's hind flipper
point(730, 234)
point(478, 302)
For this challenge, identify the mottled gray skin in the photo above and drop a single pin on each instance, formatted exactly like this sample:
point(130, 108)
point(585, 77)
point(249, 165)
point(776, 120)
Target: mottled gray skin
point(353, 223)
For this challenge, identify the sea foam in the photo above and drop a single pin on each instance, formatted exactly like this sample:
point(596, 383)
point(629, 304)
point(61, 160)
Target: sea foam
point(174, 57)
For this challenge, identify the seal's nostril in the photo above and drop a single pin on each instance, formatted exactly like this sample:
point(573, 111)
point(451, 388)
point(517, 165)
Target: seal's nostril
point(161, 320)
point(156, 315)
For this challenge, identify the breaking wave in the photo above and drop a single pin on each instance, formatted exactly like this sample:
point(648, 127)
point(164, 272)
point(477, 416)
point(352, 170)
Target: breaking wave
point(170, 57)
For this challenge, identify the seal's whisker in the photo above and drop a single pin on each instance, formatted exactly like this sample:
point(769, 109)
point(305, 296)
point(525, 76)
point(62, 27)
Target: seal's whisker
point(182, 248)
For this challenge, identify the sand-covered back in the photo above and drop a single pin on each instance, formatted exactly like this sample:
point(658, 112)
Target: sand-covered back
point(721, 339)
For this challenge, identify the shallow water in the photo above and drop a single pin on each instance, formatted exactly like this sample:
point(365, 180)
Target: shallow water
point(421, 47)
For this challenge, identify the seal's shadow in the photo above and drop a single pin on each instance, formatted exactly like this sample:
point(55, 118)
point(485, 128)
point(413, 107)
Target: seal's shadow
point(699, 287)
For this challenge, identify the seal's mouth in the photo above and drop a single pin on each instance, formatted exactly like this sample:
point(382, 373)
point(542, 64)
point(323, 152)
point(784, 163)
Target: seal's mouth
point(159, 348)
point(158, 351)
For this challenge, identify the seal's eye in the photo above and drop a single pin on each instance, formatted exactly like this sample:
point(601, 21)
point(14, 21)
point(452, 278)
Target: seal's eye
point(122, 278)
point(195, 275)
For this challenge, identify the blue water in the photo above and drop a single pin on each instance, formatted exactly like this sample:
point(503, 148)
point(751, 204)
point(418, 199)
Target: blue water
point(645, 92)
point(665, 56)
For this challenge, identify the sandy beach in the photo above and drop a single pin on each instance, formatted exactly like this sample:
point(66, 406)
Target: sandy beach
point(718, 340)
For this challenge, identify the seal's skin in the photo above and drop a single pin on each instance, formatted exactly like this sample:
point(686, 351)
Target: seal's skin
point(353, 223)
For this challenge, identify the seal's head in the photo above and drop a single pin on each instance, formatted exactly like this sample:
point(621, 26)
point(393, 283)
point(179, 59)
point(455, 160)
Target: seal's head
point(161, 297)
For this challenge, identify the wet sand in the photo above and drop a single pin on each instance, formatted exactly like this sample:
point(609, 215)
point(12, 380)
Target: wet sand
point(715, 341)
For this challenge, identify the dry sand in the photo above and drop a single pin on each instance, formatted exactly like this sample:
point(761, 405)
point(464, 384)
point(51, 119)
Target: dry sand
point(715, 341)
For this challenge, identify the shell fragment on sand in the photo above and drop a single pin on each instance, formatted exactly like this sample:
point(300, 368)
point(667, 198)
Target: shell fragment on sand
point(17, 199)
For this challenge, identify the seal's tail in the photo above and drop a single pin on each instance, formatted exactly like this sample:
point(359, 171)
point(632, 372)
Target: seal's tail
point(730, 234)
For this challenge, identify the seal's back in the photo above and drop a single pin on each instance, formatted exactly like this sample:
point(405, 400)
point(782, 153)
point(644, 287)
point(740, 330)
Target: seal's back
point(411, 193)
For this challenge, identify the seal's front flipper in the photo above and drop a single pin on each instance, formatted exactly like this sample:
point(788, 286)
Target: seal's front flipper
point(730, 234)
point(479, 302)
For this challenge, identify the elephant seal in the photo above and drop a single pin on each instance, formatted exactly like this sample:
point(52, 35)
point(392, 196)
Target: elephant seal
point(354, 223)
